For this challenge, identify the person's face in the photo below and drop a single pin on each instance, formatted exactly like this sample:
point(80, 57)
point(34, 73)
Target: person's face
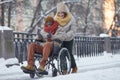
point(61, 14)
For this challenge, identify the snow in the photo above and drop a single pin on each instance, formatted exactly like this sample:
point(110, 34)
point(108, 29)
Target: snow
point(104, 35)
point(105, 67)
point(4, 28)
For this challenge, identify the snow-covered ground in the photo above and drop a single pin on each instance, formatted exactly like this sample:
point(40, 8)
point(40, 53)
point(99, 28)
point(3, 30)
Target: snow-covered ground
point(105, 67)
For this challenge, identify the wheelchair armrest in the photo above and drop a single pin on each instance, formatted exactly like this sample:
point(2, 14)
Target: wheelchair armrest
point(37, 40)
point(58, 40)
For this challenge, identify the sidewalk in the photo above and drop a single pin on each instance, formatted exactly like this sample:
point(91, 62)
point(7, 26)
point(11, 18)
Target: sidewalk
point(100, 62)
point(84, 65)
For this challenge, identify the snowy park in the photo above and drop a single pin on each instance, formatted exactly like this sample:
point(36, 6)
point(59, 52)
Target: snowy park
point(106, 67)
point(92, 26)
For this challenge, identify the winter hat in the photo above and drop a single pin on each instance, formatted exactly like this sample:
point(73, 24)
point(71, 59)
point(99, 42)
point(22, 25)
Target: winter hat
point(61, 7)
point(49, 18)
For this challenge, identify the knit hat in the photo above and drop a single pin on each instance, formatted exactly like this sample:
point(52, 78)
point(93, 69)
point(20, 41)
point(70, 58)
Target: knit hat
point(49, 18)
point(61, 7)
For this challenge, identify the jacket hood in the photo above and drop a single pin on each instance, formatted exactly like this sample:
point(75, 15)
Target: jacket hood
point(61, 7)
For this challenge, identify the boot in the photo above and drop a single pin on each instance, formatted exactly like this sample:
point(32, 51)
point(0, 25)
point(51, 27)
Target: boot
point(74, 70)
point(28, 68)
point(41, 70)
point(64, 72)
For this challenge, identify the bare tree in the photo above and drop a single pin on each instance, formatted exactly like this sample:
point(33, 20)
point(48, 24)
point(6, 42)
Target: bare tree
point(19, 15)
point(86, 18)
point(1, 14)
point(9, 13)
point(37, 7)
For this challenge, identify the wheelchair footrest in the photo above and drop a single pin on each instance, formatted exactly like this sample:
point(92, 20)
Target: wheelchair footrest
point(44, 72)
point(27, 71)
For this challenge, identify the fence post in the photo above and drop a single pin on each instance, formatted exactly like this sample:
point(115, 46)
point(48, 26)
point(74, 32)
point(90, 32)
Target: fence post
point(107, 44)
point(6, 42)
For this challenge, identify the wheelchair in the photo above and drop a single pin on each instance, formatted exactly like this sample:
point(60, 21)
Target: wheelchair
point(63, 62)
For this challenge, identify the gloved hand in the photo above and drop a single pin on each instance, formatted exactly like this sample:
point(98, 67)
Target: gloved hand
point(49, 35)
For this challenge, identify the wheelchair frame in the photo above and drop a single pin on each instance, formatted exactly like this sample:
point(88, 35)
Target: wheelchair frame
point(50, 62)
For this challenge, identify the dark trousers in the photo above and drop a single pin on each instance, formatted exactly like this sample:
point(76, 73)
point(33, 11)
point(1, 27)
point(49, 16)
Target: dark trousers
point(69, 46)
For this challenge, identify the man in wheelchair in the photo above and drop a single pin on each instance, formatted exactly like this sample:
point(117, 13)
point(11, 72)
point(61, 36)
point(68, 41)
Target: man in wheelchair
point(43, 45)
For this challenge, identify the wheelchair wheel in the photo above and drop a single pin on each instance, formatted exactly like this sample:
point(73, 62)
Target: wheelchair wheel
point(37, 72)
point(64, 61)
point(39, 75)
point(54, 72)
point(32, 75)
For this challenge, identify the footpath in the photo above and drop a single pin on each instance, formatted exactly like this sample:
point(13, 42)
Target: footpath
point(84, 65)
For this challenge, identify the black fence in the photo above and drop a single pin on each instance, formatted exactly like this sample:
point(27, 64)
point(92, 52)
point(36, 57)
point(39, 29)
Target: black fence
point(115, 45)
point(83, 46)
point(21, 42)
point(88, 46)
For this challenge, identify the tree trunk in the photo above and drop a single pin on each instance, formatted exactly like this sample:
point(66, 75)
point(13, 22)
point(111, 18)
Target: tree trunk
point(19, 16)
point(109, 12)
point(37, 8)
point(2, 14)
point(9, 14)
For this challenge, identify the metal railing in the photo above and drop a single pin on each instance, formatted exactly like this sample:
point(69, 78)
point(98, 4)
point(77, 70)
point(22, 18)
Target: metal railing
point(88, 46)
point(83, 46)
point(115, 45)
point(21, 42)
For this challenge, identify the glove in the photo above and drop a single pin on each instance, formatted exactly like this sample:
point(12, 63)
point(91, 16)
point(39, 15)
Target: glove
point(49, 35)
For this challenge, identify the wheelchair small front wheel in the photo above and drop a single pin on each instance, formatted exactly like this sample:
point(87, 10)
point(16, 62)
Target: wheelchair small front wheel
point(64, 61)
point(54, 72)
point(32, 75)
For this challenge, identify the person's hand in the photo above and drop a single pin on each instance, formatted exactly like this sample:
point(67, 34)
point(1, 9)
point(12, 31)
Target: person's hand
point(49, 35)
